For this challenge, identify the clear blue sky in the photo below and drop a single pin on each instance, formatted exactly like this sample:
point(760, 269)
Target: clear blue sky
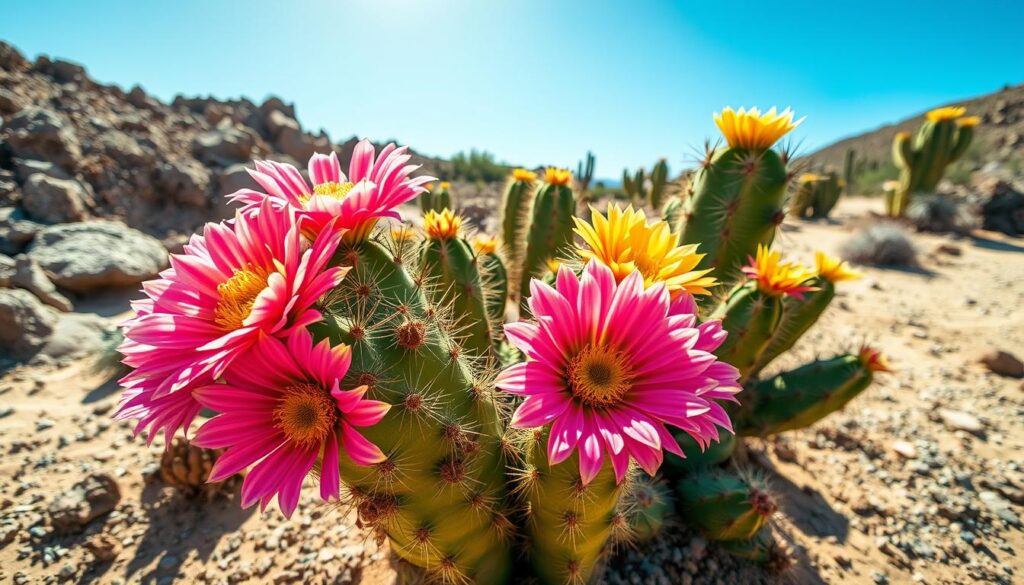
point(541, 82)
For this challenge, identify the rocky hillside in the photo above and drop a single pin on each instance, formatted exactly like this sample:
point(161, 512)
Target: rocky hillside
point(73, 149)
point(999, 139)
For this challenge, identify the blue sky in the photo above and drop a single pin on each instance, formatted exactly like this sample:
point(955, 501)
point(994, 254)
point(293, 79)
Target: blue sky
point(541, 82)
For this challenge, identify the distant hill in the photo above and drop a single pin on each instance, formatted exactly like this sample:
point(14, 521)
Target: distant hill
point(999, 138)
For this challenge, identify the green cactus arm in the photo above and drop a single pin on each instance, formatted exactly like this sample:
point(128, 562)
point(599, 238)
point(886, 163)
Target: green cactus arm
point(517, 199)
point(696, 458)
point(903, 154)
point(964, 135)
point(750, 317)
point(798, 315)
point(495, 284)
point(724, 505)
point(801, 397)
point(550, 231)
point(452, 266)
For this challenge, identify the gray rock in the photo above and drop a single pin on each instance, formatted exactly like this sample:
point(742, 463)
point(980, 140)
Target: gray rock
point(29, 276)
point(299, 145)
point(7, 270)
point(224, 145)
point(39, 133)
point(15, 231)
point(1003, 363)
point(10, 102)
point(25, 323)
point(277, 121)
point(958, 420)
point(73, 509)
point(11, 59)
point(184, 181)
point(86, 256)
point(10, 194)
point(124, 150)
point(54, 200)
point(27, 167)
point(78, 334)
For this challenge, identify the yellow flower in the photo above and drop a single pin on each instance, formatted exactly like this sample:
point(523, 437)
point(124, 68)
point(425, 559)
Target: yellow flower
point(873, 359)
point(485, 244)
point(833, 269)
point(553, 265)
point(429, 187)
point(777, 278)
point(969, 121)
point(751, 129)
point(403, 233)
point(554, 176)
point(524, 175)
point(890, 185)
point(445, 185)
point(442, 226)
point(948, 113)
point(809, 178)
point(624, 242)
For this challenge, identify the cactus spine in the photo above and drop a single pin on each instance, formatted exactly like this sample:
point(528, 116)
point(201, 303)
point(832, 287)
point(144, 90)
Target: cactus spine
point(724, 505)
point(923, 159)
point(438, 495)
point(516, 205)
point(801, 397)
point(550, 231)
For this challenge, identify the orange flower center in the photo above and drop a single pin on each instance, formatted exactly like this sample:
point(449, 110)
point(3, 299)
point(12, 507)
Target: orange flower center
point(237, 296)
point(599, 377)
point(306, 414)
point(333, 190)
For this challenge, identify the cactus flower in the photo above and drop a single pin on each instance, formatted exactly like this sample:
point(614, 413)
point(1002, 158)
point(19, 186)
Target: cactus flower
point(946, 113)
point(375, 185)
point(608, 366)
point(754, 130)
point(777, 278)
point(624, 241)
point(255, 276)
point(873, 359)
point(484, 245)
point(442, 226)
point(524, 175)
point(281, 407)
point(555, 176)
point(833, 269)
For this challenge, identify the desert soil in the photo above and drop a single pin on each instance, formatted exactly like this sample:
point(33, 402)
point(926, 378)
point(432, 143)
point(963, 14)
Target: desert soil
point(917, 481)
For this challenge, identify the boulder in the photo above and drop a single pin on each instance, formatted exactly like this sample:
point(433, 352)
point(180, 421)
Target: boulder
point(16, 231)
point(11, 59)
point(277, 122)
point(10, 102)
point(27, 167)
point(25, 323)
point(95, 496)
point(79, 335)
point(124, 150)
point(53, 200)
point(299, 145)
point(10, 195)
point(29, 276)
point(224, 145)
point(184, 181)
point(39, 133)
point(7, 270)
point(82, 257)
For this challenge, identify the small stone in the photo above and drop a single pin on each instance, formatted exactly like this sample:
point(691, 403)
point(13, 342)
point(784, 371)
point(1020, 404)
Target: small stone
point(904, 449)
point(1003, 363)
point(169, 562)
point(958, 420)
point(73, 509)
point(104, 548)
point(949, 249)
point(6, 411)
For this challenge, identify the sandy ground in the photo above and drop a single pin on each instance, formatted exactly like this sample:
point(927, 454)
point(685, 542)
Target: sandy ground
point(892, 489)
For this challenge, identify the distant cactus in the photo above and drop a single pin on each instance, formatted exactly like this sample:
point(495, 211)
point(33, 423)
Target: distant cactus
point(436, 198)
point(633, 185)
point(850, 169)
point(923, 159)
point(816, 195)
point(659, 178)
point(584, 176)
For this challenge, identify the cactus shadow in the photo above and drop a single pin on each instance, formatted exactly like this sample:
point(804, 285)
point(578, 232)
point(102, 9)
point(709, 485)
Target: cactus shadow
point(995, 245)
point(178, 529)
point(805, 507)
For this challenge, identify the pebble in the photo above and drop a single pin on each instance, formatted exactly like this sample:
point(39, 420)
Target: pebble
point(6, 411)
point(958, 420)
point(904, 449)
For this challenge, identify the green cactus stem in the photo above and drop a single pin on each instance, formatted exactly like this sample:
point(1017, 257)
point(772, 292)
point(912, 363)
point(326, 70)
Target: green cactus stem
point(648, 503)
point(750, 316)
point(516, 205)
point(659, 179)
point(942, 139)
point(801, 397)
point(495, 280)
point(550, 232)
point(725, 505)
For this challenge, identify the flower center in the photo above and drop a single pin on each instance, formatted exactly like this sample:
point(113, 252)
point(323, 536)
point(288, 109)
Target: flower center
point(333, 190)
point(599, 377)
point(237, 295)
point(306, 414)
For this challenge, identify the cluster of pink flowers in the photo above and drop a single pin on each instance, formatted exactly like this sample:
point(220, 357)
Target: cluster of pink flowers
point(224, 327)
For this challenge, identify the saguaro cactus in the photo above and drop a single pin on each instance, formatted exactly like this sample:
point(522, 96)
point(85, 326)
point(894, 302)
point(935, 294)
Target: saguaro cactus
point(923, 159)
point(738, 191)
point(659, 179)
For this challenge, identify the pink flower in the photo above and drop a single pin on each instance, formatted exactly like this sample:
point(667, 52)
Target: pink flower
point(374, 187)
point(609, 365)
point(282, 408)
point(255, 275)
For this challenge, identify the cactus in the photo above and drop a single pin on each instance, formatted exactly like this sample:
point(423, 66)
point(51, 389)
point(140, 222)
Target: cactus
point(816, 195)
point(753, 310)
point(647, 505)
point(801, 397)
point(584, 176)
point(671, 212)
point(550, 230)
point(450, 262)
point(738, 191)
point(725, 505)
point(436, 199)
point(850, 169)
point(762, 549)
point(633, 185)
point(799, 314)
point(495, 278)
point(569, 521)
point(922, 160)
point(516, 204)
point(438, 496)
point(697, 458)
point(659, 178)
